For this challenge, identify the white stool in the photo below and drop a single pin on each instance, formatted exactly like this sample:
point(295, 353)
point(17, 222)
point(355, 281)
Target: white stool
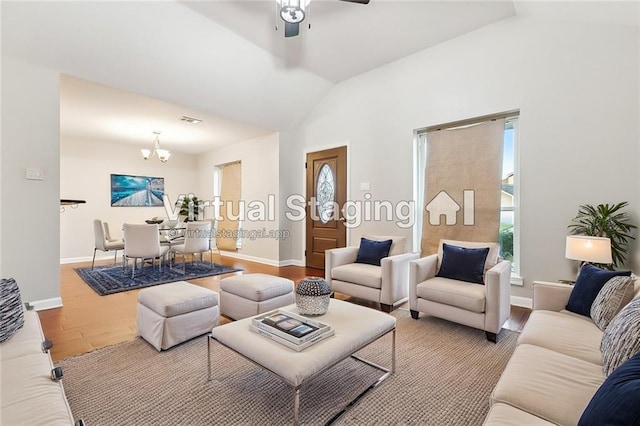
point(173, 313)
point(247, 295)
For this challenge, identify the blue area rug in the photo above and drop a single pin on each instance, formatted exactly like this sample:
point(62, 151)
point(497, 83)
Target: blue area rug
point(112, 279)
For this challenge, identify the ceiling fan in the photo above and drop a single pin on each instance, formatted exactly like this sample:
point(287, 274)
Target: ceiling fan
point(293, 12)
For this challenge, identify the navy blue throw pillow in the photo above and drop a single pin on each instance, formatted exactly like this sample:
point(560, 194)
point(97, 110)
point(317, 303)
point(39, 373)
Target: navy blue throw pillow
point(589, 283)
point(372, 252)
point(617, 400)
point(463, 264)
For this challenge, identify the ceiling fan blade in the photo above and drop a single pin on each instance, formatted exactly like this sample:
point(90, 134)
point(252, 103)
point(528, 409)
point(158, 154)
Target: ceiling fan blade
point(291, 30)
point(357, 1)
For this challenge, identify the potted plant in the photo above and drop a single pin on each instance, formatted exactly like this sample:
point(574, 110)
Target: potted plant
point(606, 220)
point(190, 208)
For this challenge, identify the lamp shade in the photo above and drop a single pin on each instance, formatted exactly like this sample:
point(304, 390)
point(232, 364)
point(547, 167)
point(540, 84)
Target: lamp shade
point(589, 249)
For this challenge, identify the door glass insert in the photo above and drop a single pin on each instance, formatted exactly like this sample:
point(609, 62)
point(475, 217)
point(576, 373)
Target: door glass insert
point(325, 193)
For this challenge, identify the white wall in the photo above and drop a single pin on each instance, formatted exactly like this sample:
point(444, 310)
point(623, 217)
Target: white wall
point(260, 178)
point(30, 224)
point(85, 173)
point(576, 86)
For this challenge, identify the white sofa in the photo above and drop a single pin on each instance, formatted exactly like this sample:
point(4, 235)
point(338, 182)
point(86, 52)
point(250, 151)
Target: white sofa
point(556, 367)
point(28, 394)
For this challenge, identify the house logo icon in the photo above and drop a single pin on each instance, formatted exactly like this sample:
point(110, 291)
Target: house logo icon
point(443, 204)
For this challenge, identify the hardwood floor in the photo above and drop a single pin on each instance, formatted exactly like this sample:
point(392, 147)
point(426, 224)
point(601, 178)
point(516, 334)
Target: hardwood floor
point(88, 321)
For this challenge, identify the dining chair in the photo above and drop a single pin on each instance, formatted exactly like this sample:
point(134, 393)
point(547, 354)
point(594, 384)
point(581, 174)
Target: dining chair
point(103, 241)
point(212, 240)
point(172, 232)
point(142, 242)
point(197, 240)
point(107, 232)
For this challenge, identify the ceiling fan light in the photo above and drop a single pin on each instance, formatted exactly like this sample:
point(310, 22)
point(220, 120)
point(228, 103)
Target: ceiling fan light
point(293, 11)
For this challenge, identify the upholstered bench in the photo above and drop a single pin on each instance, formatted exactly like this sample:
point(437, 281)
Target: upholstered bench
point(173, 313)
point(243, 296)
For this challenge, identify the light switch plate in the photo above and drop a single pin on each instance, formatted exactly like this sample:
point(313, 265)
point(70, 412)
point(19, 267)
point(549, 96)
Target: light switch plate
point(34, 174)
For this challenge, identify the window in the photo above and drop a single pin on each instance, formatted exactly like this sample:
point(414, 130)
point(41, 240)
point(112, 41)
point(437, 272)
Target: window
point(509, 237)
point(229, 229)
point(508, 228)
point(326, 193)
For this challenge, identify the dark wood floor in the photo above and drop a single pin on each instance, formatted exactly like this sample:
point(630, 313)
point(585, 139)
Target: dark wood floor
point(88, 321)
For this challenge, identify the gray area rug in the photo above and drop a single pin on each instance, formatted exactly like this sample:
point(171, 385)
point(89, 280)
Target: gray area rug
point(444, 375)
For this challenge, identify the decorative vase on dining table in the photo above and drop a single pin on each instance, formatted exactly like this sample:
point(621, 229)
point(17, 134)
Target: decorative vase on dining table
point(312, 296)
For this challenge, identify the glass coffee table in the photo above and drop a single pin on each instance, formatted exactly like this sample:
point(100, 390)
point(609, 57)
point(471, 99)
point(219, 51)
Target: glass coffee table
point(355, 328)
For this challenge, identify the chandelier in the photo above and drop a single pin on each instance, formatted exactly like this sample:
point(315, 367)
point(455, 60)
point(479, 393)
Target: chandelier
point(163, 154)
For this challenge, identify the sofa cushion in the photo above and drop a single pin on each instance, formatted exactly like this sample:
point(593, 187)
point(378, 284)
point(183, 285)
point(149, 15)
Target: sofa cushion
point(621, 340)
point(506, 415)
point(566, 333)
point(615, 294)
point(361, 273)
point(467, 296)
point(11, 314)
point(372, 252)
point(29, 396)
point(590, 280)
point(616, 402)
point(463, 264)
point(27, 341)
point(548, 384)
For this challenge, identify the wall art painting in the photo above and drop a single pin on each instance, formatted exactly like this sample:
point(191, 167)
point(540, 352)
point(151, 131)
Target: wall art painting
point(136, 191)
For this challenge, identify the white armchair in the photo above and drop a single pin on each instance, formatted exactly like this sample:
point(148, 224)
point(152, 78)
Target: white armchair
point(484, 306)
point(387, 284)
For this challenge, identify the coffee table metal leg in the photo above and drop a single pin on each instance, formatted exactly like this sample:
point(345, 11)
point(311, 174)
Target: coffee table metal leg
point(393, 351)
point(387, 373)
point(296, 406)
point(208, 358)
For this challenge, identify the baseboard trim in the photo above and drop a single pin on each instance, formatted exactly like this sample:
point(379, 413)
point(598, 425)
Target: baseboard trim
point(66, 260)
point(524, 302)
point(256, 259)
point(44, 304)
point(292, 262)
point(270, 262)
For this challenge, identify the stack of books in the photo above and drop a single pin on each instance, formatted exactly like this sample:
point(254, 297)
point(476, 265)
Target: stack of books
point(291, 330)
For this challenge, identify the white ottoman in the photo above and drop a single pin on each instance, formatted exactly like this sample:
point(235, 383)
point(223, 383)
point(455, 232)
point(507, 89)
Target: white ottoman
point(247, 295)
point(173, 313)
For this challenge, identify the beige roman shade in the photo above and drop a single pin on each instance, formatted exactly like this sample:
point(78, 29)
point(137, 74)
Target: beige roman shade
point(462, 184)
point(227, 232)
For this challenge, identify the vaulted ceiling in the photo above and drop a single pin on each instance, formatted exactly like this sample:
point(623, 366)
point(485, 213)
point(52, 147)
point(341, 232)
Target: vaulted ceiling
point(223, 60)
point(347, 39)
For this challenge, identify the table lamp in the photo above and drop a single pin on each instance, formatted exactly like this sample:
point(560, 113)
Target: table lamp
point(589, 249)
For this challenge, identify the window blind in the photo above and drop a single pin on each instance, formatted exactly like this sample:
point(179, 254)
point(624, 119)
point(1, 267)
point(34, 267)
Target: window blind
point(462, 181)
point(227, 232)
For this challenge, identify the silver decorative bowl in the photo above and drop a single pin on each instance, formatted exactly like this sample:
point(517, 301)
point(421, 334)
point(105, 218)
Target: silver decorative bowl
point(312, 296)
